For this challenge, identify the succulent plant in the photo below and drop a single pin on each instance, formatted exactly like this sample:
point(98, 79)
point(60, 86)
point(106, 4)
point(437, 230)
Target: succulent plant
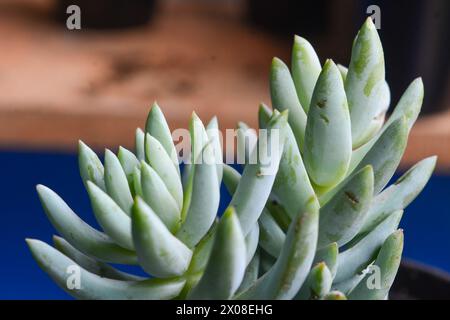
point(339, 155)
point(309, 230)
point(155, 217)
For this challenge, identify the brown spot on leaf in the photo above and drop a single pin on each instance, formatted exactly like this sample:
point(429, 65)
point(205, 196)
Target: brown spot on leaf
point(324, 118)
point(353, 199)
point(322, 103)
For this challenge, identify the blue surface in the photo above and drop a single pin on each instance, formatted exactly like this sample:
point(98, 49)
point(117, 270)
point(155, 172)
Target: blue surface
point(426, 222)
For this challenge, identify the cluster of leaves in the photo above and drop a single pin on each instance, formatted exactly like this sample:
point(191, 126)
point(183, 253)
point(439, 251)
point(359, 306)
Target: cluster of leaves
point(307, 231)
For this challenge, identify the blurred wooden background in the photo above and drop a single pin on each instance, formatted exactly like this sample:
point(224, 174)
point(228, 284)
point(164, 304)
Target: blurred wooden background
point(58, 86)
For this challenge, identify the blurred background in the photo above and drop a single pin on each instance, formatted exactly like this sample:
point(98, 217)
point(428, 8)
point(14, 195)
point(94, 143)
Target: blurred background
point(97, 84)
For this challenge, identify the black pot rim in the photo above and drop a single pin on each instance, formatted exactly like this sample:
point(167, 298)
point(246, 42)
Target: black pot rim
point(436, 272)
point(416, 280)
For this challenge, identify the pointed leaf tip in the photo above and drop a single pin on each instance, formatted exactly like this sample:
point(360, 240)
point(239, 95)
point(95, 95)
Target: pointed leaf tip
point(328, 145)
point(227, 259)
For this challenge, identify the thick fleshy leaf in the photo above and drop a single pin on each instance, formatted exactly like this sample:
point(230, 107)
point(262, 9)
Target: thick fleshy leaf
point(204, 202)
point(156, 195)
point(292, 187)
point(328, 140)
point(160, 161)
point(251, 274)
point(399, 195)
point(343, 70)
point(279, 213)
point(97, 267)
point(318, 283)
point(91, 168)
point(231, 178)
point(342, 217)
point(140, 144)
point(284, 97)
point(365, 85)
point(385, 155)
point(408, 107)
point(349, 284)
point(200, 258)
point(306, 68)
point(329, 255)
point(199, 137)
point(128, 161)
point(272, 236)
point(246, 141)
point(212, 130)
point(388, 262)
point(94, 287)
point(113, 220)
point(257, 179)
point(159, 252)
point(355, 259)
point(291, 268)
point(266, 263)
point(158, 128)
point(226, 266)
point(185, 176)
point(251, 242)
point(198, 140)
point(202, 251)
point(137, 187)
point(378, 122)
point(264, 115)
point(78, 233)
point(117, 183)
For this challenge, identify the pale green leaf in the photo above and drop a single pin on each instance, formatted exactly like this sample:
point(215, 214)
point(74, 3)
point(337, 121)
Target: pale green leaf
point(264, 115)
point(257, 179)
point(91, 168)
point(385, 155)
point(306, 68)
point(204, 202)
point(226, 266)
point(97, 267)
point(140, 144)
point(158, 197)
point(284, 97)
point(388, 262)
point(116, 182)
point(291, 268)
point(355, 259)
point(94, 287)
point(292, 187)
point(158, 128)
point(342, 217)
point(251, 242)
point(160, 161)
point(328, 140)
point(365, 85)
point(78, 233)
point(329, 255)
point(213, 132)
point(272, 236)
point(113, 220)
point(159, 252)
point(318, 283)
point(128, 161)
point(400, 194)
